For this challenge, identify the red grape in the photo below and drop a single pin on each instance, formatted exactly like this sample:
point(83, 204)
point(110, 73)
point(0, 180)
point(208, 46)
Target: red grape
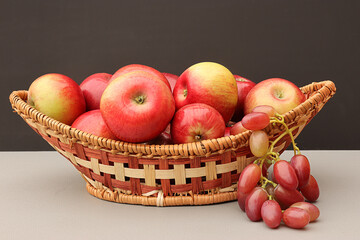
point(286, 197)
point(259, 143)
point(241, 197)
point(285, 175)
point(264, 169)
point(301, 166)
point(255, 120)
point(253, 203)
point(271, 213)
point(296, 217)
point(313, 210)
point(269, 110)
point(311, 191)
point(249, 178)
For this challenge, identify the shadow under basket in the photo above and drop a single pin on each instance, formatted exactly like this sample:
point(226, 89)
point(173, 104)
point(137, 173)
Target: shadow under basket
point(196, 173)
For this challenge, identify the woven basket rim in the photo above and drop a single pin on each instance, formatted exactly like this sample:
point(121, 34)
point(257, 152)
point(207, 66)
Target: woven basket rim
point(324, 91)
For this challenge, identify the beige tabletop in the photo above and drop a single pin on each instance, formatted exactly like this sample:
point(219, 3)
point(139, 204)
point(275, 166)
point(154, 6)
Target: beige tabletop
point(43, 197)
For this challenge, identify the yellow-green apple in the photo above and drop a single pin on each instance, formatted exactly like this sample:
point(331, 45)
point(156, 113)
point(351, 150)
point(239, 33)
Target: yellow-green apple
point(172, 78)
point(209, 83)
point(137, 106)
point(196, 122)
point(237, 129)
point(140, 67)
point(244, 86)
point(279, 93)
point(93, 122)
point(93, 87)
point(58, 97)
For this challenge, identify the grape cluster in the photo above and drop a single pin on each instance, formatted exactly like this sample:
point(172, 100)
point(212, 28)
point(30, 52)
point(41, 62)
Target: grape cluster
point(277, 195)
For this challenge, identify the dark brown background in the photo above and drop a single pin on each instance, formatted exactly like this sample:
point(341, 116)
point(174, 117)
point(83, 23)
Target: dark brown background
point(302, 41)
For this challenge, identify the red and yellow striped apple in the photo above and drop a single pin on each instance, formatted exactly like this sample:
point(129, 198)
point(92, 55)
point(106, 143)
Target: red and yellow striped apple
point(279, 93)
point(93, 87)
point(139, 67)
point(58, 97)
point(209, 83)
point(93, 122)
point(137, 106)
point(196, 122)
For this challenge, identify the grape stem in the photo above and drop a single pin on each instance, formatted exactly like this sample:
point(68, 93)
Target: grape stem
point(272, 156)
point(280, 119)
point(265, 181)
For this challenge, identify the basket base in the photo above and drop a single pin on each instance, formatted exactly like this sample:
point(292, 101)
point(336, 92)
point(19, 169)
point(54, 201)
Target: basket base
point(160, 200)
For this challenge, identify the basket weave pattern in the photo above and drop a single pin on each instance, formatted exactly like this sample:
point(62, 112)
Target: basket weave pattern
point(197, 173)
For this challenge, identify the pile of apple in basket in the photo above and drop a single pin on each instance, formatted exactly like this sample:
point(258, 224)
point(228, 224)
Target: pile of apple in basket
point(139, 104)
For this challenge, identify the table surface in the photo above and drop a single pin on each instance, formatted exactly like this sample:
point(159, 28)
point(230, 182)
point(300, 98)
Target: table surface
point(43, 197)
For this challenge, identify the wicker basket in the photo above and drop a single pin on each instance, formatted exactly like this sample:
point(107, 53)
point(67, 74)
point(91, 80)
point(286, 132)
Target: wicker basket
point(197, 173)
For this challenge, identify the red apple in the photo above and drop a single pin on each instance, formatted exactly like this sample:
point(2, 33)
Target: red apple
point(93, 122)
point(209, 83)
point(137, 106)
point(227, 131)
point(93, 87)
point(57, 96)
point(279, 93)
point(172, 79)
point(139, 67)
point(237, 129)
point(163, 139)
point(244, 86)
point(196, 122)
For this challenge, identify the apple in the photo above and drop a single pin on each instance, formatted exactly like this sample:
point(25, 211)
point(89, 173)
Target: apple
point(209, 83)
point(137, 106)
point(196, 122)
point(244, 86)
point(227, 131)
point(279, 93)
point(237, 129)
point(57, 96)
point(93, 87)
point(93, 122)
point(139, 67)
point(172, 79)
point(163, 139)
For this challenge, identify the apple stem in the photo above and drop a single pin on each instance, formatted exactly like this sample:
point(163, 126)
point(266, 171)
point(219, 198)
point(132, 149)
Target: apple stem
point(140, 99)
point(185, 92)
point(198, 137)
